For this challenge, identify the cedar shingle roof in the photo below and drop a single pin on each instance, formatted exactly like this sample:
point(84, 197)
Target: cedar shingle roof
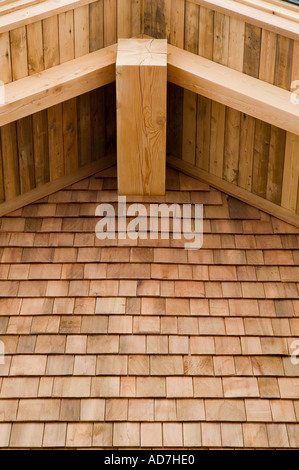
point(140, 343)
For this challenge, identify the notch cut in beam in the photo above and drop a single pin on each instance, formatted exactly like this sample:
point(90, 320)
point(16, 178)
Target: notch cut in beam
point(141, 86)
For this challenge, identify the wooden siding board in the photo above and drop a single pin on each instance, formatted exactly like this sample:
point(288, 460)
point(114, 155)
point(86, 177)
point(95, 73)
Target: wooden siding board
point(5, 58)
point(41, 148)
point(25, 154)
point(10, 161)
point(96, 25)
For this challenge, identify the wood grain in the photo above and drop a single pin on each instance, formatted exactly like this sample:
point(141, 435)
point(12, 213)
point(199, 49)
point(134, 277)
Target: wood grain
point(233, 117)
point(70, 136)
point(124, 18)
point(81, 31)
point(290, 185)
point(25, 154)
point(275, 53)
point(51, 42)
point(261, 158)
point(84, 129)
point(141, 132)
point(96, 25)
point(232, 145)
point(41, 148)
point(247, 133)
point(252, 50)
point(177, 21)
point(190, 98)
point(35, 48)
point(58, 84)
point(5, 58)
point(2, 194)
point(10, 161)
point(55, 136)
point(268, 56)
point(276, 163)
point(206, 33)
point(66, 36)
point(54, 186)
point(218, 112)
point(97, 120)
point(290, 173)
point(110, 22)
point(137, 17)
point(18, 47)
point(283, 68)
point(235, 191)
point(204, 107)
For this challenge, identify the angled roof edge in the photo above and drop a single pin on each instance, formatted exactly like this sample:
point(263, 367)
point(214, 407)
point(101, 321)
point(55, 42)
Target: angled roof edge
point(109, 161)
point(233, 190)
point(54, 186)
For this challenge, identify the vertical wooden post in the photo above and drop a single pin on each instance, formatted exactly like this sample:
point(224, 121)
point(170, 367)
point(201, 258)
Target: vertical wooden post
point(141, 84)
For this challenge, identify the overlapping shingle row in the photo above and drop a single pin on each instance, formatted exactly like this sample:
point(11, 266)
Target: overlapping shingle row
point(141, 343)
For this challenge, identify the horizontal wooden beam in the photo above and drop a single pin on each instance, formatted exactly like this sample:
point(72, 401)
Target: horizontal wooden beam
point(57, 84)
point(57, 185)
point(234, 190)
point(237, 90)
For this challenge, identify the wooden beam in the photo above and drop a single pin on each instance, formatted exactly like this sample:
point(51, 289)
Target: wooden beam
point(9, 6)
point(232, 88)
point(253, 15)
point(284, 5)
point(234, 190)
point(141, 84)
point(237, 90)
point(57, 84)
point(23, 12)
point(54, 186)
point(276, 9)
point(38, 10)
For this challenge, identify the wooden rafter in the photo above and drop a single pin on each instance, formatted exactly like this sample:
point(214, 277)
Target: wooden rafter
point(282, 10)
point(253, 15)
point(237, 90)
point(277, 19)
point(58, 84)
point(37, 11)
